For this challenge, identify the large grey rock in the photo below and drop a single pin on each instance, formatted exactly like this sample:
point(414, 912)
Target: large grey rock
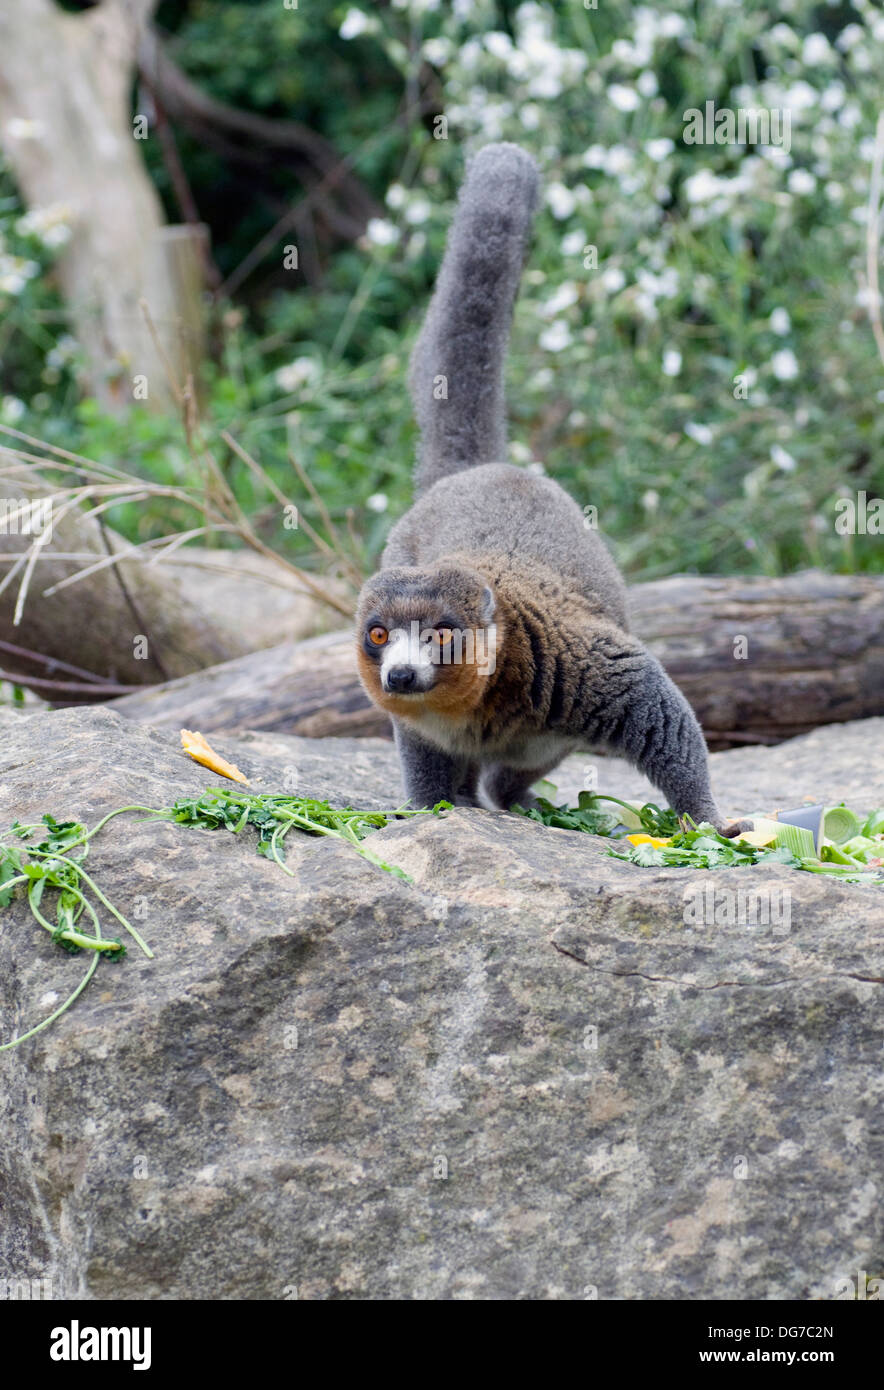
point(523, 1075)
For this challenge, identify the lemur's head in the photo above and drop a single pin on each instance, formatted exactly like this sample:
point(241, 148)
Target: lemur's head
point(426, 639)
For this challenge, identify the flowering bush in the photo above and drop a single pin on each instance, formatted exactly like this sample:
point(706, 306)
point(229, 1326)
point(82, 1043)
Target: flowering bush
point(692, 351)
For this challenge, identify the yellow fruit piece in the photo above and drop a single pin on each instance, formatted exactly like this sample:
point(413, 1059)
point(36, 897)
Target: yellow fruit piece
point(199, 750)
point(764, 832)
point(759, 839)
point(646, 840)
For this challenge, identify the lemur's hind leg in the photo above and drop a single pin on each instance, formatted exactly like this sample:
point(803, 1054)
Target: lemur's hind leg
point(504, 786)
point(430, 775)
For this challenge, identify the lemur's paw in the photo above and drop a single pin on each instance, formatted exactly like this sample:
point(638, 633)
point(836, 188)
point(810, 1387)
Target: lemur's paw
point(735, 828)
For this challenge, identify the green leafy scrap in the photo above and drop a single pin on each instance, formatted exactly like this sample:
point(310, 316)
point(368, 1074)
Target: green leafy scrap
point(859, 860)
point(274, 816)
point(51, 854)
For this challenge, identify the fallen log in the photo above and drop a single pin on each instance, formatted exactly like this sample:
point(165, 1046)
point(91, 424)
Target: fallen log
point(759, 659)
point(130, 623)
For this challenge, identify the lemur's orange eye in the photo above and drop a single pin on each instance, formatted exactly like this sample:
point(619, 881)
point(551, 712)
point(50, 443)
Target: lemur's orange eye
point(377, 636)
point(443, 635)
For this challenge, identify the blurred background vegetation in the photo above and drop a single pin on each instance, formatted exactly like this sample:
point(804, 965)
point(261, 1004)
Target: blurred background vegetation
point(711, 383)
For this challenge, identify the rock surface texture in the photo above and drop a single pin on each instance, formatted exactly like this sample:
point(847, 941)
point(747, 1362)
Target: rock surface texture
point(524, 1075)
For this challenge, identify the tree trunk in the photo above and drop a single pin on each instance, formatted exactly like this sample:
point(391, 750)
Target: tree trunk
point(814, 654)
point(65, 84)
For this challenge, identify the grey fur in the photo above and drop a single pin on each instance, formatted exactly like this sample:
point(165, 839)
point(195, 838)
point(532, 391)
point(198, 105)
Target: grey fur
point(498, 509)
point(572, 674)
point(462, 346)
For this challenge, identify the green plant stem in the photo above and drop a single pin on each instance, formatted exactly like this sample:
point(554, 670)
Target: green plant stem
point(5, 1047)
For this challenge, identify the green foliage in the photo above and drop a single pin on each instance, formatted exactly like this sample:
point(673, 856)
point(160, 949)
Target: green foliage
point(691, 352)
point(55, 861)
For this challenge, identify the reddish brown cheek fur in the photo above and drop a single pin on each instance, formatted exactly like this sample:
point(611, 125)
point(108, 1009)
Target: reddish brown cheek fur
point(458, 691)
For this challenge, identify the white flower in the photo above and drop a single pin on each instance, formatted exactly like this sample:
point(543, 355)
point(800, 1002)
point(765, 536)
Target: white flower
point(834, 192)
point(612, 279)
point(650, 500)
point(381, 233)
point(56, 236)
point(519, 452)
point(564, 297)
point(628, 55)
point(624, 98)
point(671, 26)
point(499, 45)
point(595, 157)
point(671, 362)
point(619, 160)
point(437, 51)
point(15, 272)
point(302, 372)
point(356, 23)
point(816, 50)
point(20, 129)
point(782, 458)
point(561, 200)
point(702, 434)
point(800, 96)
point(530, 115)
point(784, 365)
point(775, 155)
point(702, 186)
point(850, 37)
point(12, 409)
point(418, 210)
point(662, 286)
point(573, 243)
point(377, 502)
point(801, 181)
point(833, 97)
point(556, 337)
point(396, 196)
point(470, 54)
point(779, 322)
point(49, 224)
point(783, 34)
point(647, 83)
point(659, 149)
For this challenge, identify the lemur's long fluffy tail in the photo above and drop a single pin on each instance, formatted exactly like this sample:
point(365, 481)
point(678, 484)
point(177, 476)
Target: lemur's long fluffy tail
point(456, 375)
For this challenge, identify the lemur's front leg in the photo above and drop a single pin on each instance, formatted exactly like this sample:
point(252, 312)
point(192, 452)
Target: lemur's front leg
point(430, 775)
point(629, 704)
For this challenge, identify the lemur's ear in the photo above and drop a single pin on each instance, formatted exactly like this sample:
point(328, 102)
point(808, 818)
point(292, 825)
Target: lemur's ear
point(489, 605)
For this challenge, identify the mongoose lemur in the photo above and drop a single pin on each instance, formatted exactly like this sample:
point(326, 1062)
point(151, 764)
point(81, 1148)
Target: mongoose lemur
point(495, 632)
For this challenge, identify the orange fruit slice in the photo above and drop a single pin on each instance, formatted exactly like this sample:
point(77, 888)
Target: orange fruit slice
point(199, 750)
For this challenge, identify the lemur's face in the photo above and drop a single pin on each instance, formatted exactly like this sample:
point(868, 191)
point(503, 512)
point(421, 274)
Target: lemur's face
point(426, 639)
